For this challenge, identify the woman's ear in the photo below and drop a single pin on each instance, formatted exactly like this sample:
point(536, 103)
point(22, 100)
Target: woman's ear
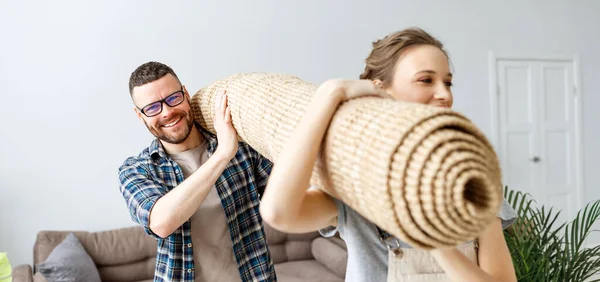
point(383, 87)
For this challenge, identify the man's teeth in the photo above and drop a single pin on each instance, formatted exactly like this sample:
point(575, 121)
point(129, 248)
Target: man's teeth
point(173, 123)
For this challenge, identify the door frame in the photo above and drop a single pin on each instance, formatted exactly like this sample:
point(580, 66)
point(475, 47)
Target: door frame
point(493, 58)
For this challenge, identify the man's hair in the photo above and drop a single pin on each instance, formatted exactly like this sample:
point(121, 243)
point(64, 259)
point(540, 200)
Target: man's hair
point(148, 72)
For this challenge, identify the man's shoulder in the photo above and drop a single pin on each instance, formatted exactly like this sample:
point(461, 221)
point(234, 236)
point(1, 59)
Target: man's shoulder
point(248, 150)
point(245, 148)
point(139, 161)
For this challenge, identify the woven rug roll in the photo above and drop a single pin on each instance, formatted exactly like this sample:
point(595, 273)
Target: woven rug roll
point(424, 174)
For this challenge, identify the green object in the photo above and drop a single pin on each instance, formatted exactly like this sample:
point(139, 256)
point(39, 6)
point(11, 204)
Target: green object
point(5, 268)
point(544, 249)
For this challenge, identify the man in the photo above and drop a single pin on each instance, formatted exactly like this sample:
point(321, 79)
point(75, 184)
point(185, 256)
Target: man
point(196, 193)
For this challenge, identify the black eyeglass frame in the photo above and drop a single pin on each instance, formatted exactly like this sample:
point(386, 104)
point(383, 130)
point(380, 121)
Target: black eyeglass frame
point(163, 101)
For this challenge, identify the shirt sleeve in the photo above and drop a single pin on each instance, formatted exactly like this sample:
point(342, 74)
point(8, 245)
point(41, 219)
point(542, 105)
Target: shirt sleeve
point(330, 231)
point(140, 193)
point(262, 170)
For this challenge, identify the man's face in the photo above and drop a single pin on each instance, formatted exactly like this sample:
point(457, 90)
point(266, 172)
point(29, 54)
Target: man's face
point(172, 124)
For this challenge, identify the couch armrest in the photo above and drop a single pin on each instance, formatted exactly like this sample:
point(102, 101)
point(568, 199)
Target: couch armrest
point(331, 254)
point(22, 273)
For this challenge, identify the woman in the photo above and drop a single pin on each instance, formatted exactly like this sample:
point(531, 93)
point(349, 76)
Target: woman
point(408, 65)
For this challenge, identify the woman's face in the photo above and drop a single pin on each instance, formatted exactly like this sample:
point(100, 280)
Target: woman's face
point(422, 76)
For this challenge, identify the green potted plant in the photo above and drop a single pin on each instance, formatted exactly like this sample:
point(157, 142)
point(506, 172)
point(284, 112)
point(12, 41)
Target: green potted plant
point(543, 249)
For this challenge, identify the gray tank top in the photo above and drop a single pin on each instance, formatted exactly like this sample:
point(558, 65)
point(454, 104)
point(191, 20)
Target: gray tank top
point(367, 255)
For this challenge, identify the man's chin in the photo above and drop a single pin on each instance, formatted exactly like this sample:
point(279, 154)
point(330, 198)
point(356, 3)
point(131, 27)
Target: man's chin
point(173, 139)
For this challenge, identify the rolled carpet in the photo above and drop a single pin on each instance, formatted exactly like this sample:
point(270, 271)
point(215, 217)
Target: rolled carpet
point(426, 175)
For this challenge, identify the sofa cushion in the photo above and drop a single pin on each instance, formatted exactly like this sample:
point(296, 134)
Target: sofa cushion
point(69, 261)
point(331, 252)
point(289, 247)
point(123, 254)
point(305, 270)
point(135, 271)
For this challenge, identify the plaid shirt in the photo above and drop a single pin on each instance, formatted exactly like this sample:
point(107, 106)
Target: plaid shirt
point(152, 174)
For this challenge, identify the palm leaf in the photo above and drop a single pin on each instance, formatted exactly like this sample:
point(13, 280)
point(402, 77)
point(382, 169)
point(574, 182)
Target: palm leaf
point(544, 249)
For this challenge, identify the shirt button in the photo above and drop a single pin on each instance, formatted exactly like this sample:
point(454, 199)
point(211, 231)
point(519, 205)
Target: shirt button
point(189, 245)
point(189, 271)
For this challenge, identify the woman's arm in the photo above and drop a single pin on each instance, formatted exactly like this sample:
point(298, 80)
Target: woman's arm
point(495, 263)
point(287, 204)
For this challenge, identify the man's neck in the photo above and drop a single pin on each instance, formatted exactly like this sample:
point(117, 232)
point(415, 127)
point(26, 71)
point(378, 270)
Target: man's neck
point(193, 140)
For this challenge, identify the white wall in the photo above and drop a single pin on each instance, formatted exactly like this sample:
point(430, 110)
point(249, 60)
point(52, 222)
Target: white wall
point(67, 120)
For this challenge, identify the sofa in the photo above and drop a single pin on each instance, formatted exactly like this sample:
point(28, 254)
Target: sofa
point(128, 254)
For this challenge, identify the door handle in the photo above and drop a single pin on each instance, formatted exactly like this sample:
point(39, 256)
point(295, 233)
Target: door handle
point(535, 159)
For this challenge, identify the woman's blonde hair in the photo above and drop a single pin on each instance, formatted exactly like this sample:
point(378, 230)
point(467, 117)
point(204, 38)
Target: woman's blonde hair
point(381, 62)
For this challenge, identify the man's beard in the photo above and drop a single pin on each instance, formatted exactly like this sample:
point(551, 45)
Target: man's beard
point(173, 137)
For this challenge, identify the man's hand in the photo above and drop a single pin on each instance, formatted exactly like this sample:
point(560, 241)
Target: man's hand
point(226, 134)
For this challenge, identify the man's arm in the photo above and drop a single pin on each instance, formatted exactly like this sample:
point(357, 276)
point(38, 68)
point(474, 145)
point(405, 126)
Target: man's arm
point(159, 212)
point(177, 206)
point(140, 192)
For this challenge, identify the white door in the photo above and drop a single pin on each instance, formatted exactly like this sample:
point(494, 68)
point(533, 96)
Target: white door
point(537, 131)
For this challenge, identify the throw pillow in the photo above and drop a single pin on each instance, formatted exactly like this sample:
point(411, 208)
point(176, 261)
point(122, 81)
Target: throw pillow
point(69, 262)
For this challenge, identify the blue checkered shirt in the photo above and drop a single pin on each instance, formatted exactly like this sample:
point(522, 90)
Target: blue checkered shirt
point(152, 174)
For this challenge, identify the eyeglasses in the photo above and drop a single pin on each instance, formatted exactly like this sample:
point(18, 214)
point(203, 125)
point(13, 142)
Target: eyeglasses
point(155, 108)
